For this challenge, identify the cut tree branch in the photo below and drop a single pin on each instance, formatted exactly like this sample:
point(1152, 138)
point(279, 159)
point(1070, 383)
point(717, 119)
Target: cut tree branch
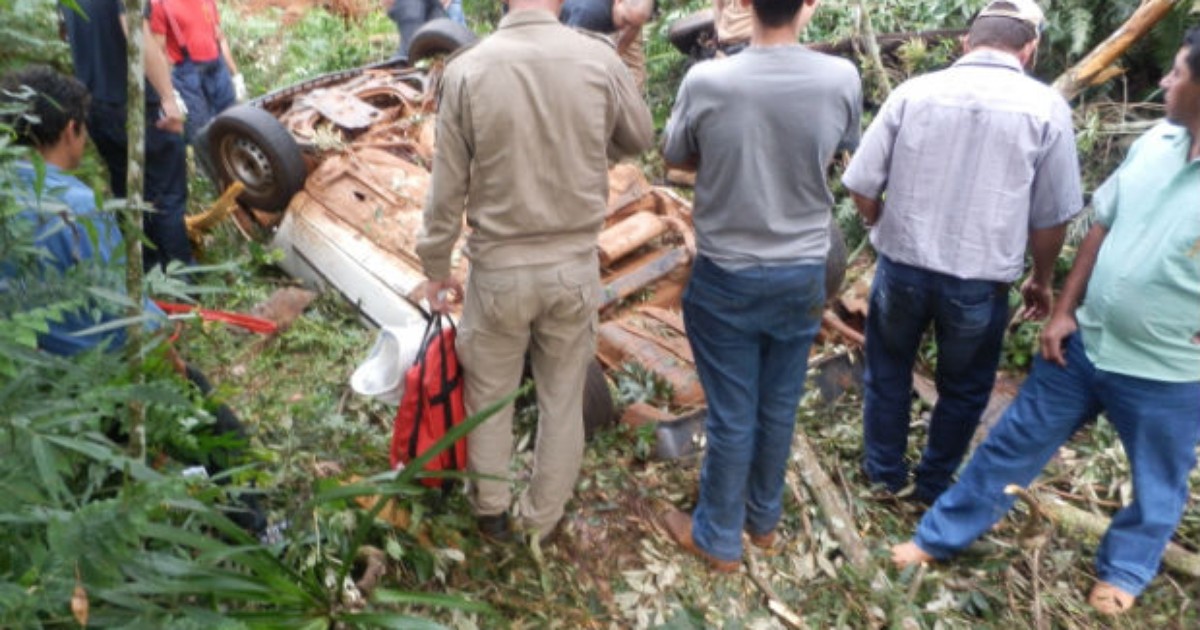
point(837, 516)
point(1095, 67)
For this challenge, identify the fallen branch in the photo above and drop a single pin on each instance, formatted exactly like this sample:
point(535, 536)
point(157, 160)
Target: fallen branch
point(888, 43)
point(835, 323)
point(1094, 68)
point(837, 516)
point(774, 603)
point(1074, 521)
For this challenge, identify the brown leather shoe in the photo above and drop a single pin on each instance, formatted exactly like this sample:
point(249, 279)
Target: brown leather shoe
point(679, 527)
point(763, 541)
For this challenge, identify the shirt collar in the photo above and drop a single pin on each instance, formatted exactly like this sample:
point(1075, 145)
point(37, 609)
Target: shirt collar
point(526, 17)
point(991, 57)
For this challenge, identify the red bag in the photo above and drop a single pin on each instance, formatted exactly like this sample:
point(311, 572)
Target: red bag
point(432, 403)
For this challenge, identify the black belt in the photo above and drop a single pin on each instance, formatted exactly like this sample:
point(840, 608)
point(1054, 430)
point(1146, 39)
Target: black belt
point(733, 48)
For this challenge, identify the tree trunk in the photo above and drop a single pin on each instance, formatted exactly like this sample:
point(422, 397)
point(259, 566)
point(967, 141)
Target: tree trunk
point(1093, 67)
point(131, 224)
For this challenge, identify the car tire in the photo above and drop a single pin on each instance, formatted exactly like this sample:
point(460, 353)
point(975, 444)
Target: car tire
point(835, 261)
point(439, 37)
point(599, 411)
point(249, 145)
point(684, 32)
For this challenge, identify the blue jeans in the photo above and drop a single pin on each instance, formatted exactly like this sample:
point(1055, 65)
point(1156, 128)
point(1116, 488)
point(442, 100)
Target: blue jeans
point(165, 185)
point(1158, 423)
point(969, 318)
point(455, 12)
point(207, 90)
point(750, 331)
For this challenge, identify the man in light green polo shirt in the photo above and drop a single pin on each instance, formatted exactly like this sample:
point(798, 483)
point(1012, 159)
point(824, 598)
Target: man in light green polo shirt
point(1123, 339)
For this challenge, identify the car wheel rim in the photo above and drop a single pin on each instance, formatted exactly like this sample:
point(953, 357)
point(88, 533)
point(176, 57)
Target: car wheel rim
point(247, 163)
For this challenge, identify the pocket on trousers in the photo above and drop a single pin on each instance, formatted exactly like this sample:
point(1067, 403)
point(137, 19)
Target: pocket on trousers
point(580, 293)
point(970, 316)
point(496, 293)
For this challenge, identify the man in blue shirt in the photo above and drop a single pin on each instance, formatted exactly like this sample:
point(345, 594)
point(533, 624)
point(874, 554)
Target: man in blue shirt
point(73, 235)
point(1123, 339)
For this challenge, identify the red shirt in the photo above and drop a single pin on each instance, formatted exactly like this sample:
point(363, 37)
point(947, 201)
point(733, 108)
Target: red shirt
point(196, 21)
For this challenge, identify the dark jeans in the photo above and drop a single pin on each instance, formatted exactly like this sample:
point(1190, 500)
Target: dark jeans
point(165, 183)
point(410, 15)
point(207, 90)
point(750, 331)
point(1158, 426)
point(969, 318)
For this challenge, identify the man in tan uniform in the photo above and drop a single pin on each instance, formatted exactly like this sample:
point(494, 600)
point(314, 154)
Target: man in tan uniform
point(734, 23)
point(527, 122)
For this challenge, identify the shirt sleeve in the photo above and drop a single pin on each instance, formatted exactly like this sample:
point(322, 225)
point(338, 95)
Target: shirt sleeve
point(679, 138)
point(853, 134)
point(1056, 194)
point(158, 18)
point(867, 173)
point(442, 220)
point(633, 131)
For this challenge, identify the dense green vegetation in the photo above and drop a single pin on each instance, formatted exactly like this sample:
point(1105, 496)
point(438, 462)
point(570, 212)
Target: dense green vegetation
point(145, 546)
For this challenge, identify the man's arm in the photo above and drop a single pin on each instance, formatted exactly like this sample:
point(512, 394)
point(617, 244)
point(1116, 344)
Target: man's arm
point(442, 219)
point(158, 72)
point(1062, 322)
point(869, 208)
point(1037, 291)
point(629, 16)
point(679, 145)
point(634, 131)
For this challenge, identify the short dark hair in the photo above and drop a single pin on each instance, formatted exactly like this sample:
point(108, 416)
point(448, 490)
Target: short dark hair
point(1004, 33)
point(1191, 40)
point(46, 101)
point(776, 13)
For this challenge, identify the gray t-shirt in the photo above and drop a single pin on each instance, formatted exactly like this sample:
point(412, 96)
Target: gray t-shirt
point(763, 126)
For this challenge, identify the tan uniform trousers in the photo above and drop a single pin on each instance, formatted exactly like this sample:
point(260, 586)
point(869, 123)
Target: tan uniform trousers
point(551, 311)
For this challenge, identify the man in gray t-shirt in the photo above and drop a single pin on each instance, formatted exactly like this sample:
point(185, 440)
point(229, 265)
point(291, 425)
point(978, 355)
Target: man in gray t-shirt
point(977, 161)
point(761, 129)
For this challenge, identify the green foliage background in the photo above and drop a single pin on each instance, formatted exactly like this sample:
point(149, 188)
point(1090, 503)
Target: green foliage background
point(151, 548)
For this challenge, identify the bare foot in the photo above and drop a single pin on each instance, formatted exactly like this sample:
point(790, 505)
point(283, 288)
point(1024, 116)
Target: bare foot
point(1110, 600)
point(908, 554)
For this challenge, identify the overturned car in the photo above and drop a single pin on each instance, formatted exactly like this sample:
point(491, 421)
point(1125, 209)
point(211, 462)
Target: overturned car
point(335, 173)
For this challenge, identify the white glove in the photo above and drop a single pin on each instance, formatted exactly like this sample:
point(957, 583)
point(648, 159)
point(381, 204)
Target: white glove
point(239, 87)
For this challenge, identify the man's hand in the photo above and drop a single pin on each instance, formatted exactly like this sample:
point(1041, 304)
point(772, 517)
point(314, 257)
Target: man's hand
point(172, 118)
point(441, 294)
point(1054, 334)
point(1038, 299)
point(239, 87)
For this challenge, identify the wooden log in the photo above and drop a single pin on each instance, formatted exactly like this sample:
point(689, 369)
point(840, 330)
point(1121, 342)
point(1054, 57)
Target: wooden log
point(616, 346)
point(837, 515)
point(617, 241)
point(654, 270)
point(1082, 74)
point(1076, 522)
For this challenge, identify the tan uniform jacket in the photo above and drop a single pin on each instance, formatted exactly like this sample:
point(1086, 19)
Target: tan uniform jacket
point(734, 22)
point(527, 123)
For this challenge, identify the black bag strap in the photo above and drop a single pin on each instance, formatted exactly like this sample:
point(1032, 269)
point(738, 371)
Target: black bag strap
point(426, 339)
point(183, 50)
